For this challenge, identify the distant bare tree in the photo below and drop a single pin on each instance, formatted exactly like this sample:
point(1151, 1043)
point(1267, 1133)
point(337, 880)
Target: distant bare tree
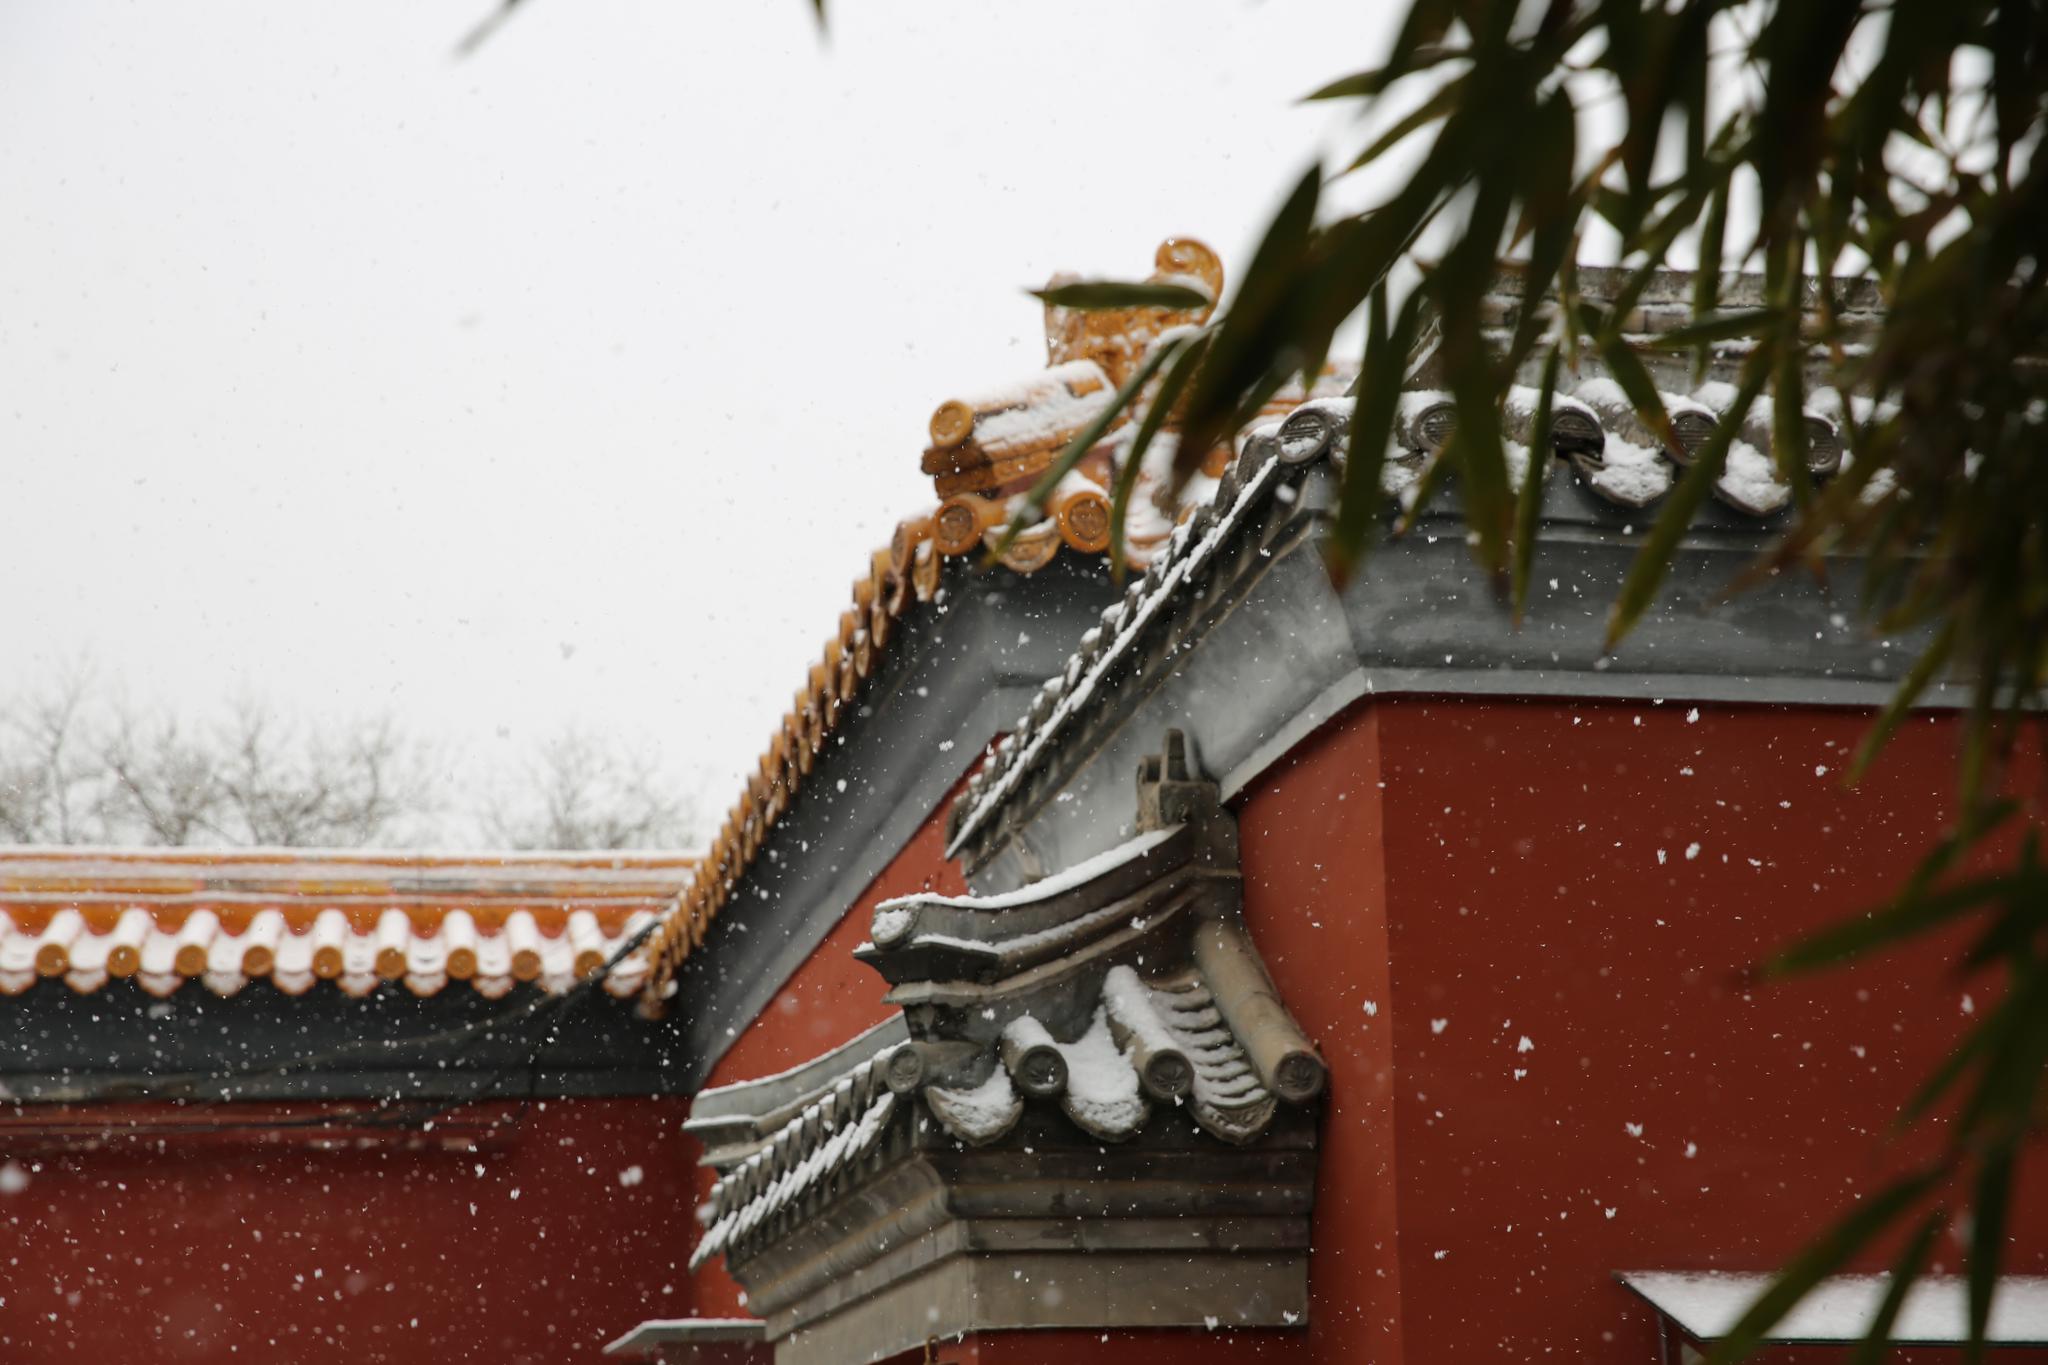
point(352, 789)
point(160, 783)
point(581, 791)
point(74, 769)
point(48, 787)
point(78, 767)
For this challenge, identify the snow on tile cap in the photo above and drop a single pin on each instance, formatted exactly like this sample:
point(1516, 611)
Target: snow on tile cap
point(1123, 983)
point(296, 917)
point(1840, 1308)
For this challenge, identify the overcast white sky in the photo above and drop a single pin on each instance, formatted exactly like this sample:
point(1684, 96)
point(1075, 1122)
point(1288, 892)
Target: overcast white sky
point(574, 380)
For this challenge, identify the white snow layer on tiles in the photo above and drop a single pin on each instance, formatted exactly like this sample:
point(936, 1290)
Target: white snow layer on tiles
point(202, 948)
point(1630, 472)
point(1102, 1086)
point(981, 1113)
point(1130, 1004)
point(1633, 473)
point(1604, 393)
point(1400, 480)
point(1751, 479)
point(1522, 400)
point(1412, 403)
point(1517, 457)
point(846, 1144)
point(891, 920)
point(1079, 875)
point(1043, 408)
point(1936, 1309)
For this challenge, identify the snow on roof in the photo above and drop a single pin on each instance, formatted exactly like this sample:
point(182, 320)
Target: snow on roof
point(651, 1336)
point(810, 1151)
point(295, 917)
point(1935, 1313)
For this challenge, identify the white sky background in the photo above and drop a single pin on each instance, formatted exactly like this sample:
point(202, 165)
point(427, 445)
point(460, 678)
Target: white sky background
point(573, 381)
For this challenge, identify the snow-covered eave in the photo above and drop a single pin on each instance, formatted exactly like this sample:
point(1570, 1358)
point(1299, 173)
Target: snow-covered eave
point(1706, 1305)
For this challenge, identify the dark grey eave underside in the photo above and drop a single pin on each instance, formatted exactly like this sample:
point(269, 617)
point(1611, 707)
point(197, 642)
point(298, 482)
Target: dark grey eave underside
point(120, 1043)
point(958, 672)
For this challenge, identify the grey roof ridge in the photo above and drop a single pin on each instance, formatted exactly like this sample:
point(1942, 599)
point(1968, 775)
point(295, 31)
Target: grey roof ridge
point(1254, 479)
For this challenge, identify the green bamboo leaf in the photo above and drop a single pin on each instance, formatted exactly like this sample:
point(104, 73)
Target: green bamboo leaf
point(1911, 688)
point(1627, 368)
point(1254, 329)
point(1187, 357)
point(1653, 560)
point(1826, 1255)
point(1788, 365)
point(1083, 442)
point(1095, 295)
point(1917, 906)
point(1909, 1267)
point(2015, 928)
point(2002, 1105)
point(1551, 209)
point(1437, 106)
point(1748, 323)
point(1706, 283)
point(2010, 47)
point(1976, 1044)
point(1529, 500)
point(1989, 1212)
point(1372, 429)
point(1375, 80)
point(1909, 917)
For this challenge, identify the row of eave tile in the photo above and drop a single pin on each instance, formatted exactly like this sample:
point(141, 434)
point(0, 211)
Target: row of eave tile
point(490, 961)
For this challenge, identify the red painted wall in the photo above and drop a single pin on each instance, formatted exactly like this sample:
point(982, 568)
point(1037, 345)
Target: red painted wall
point(548, 1243)
point(1590, 878)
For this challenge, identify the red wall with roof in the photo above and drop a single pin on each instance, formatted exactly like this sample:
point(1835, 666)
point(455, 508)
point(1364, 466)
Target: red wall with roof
point(1433, 881)
point(539, 1248)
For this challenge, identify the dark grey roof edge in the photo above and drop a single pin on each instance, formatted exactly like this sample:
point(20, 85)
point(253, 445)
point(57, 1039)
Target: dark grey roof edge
point(899, 753)
point(1263, 506)
point(759, 1100)
point(1410, 632)
point(1738, 288)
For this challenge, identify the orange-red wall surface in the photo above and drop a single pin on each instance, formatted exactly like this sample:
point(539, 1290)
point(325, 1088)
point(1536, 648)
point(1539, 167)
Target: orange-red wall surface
point(553, 1239)
point(1517, 931)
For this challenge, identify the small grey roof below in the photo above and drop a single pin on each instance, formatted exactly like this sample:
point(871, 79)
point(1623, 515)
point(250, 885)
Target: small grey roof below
point(1120, 990)
point(650, 1336)
point(1706, 1304)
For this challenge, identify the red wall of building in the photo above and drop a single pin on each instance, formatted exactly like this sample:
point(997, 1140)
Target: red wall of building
point(1431, 882)
point(541, 1247)
point(1529, 872)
